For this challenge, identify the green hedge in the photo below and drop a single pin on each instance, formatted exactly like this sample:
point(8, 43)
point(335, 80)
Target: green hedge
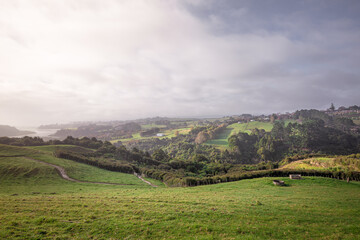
point(116, 167)
point(175, 181)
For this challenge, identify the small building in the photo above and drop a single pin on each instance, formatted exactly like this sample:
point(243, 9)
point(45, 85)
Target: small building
point(160, 134)
point(295, 176)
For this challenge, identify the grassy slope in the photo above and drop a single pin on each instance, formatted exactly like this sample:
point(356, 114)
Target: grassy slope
point(320, 164)
point(222, 139)
point(167, 134)
point(75, 170)
point(248, 209)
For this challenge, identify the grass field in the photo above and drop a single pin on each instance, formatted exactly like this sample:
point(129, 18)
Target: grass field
point(321, 163)
point(37, 204)
point(149, 126)
point(221, 141)
point(75, 170)
point(168, 133)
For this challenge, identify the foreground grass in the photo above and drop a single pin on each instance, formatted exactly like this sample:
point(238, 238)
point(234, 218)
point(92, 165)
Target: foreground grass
point(35, 203)
point(313, 208)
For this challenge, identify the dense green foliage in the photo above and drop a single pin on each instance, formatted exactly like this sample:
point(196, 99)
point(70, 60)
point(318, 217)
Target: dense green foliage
point(312, 136)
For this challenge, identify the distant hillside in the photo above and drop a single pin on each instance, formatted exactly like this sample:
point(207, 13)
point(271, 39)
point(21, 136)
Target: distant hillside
point(339, 163)
point(6, 131)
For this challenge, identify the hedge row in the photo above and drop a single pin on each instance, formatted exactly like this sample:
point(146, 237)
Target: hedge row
point(116, 167)
point(354, 176)
point(174, 181)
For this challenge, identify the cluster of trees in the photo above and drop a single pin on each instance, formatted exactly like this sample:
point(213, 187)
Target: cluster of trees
point(312, 136)
point(24, 141)
point(337, 122)
point(92, 143)
point(209, 133)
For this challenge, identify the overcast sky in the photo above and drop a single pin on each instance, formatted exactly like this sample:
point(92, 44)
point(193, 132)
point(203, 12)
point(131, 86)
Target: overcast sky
point(79, 60)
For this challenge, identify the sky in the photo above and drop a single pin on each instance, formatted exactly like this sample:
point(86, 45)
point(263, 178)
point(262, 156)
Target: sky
point(95, 60)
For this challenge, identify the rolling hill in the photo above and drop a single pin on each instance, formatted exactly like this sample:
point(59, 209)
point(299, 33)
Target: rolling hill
point(6, 131)
point(340, 163)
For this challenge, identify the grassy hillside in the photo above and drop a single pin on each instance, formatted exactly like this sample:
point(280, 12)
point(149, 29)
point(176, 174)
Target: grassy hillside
point(75, 170)
point(323, 163)
point(168, 133)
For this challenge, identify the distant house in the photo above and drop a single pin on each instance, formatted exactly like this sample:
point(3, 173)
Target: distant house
point(160, 134)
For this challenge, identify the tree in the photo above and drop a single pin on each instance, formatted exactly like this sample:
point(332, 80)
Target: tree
point(201, 137)
point(332, 107)
point(273, 118)
point(160, 155)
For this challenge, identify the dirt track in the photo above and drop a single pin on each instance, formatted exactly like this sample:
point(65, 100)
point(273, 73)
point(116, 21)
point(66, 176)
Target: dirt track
point(153, 185)
point(64, 175)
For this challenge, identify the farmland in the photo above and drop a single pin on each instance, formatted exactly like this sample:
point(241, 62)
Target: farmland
point(221, 141)
point(168, 133)
point(325, 163)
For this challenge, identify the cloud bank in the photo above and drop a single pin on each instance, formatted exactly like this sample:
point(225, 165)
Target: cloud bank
point(106, 60)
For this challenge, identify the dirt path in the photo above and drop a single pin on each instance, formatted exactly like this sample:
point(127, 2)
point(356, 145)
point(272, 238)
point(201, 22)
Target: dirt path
point(64, 175)
point(138, 175)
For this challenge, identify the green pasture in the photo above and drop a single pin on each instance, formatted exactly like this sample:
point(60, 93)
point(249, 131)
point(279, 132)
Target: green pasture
point(322, 163)
point(248, 209)
point(168, 133)
point(221, 141)
point(75, 170)
point(150, 126)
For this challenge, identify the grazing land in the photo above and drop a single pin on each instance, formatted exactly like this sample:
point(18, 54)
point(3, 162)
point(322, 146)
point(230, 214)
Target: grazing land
point(82, 172)
point(36, 203)
point(325, 163)
point(167, 133)
point(221, 140)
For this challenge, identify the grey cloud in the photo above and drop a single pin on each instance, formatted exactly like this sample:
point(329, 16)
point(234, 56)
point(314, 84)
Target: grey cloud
point(103, 60)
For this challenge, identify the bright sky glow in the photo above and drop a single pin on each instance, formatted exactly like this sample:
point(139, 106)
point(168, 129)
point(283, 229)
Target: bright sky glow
point(77, 60)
